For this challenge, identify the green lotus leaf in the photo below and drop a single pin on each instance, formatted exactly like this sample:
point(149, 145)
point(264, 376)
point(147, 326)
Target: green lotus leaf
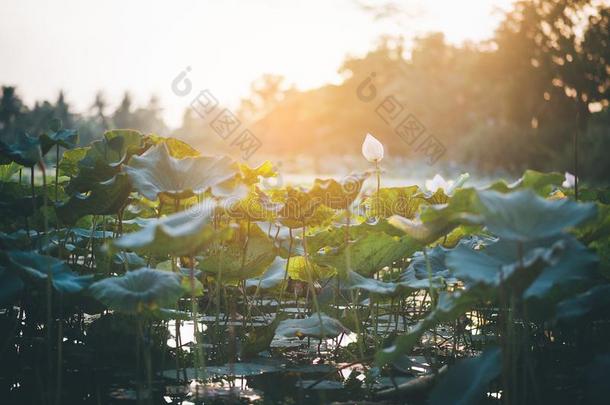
point(105, 198)
point(335, 236)
point(299, 269)
point(66, 138)
point(24, 150)
point(403, 201)
point(68, 165)
point(230, 263)
point(317, 325)
point(7, 171)
point(595, 301)
point(39, 267)
point(251, 175)
point(369, 253)
point(436, 221)
point(138, 290)
point(302, 209)
point(156, 172)
point(500, 263)
point(255, 206)
point(179, 234)
point(541, 183)
point(468, 380)
point(574, 270)
point(338, 194)
point(177, 148)
point(272, 277)
point(524, 216)
point(102, 159)
point(448, 307)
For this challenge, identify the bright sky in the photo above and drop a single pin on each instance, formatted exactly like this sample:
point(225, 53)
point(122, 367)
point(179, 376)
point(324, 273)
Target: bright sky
point(141, 45)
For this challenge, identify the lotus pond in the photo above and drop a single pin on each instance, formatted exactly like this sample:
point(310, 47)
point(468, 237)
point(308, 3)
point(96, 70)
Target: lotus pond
point(142, 271)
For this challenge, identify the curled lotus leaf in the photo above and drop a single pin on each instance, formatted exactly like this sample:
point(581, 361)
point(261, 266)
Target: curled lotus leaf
point(24, 149)
point(102, 160)
point(338, 194)
point(317, 325)
point(66, 138)
point(40, 267)
point(251, 175)
point(156, 172)
point(138, 290)
point(369, 253)
point(541, 183)
point(104, 198)
point(180, 234)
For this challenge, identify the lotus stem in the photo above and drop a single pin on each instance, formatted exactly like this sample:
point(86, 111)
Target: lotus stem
point(56, 172)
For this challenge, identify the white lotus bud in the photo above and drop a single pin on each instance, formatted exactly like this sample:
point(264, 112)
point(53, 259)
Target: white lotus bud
point(569, 181)
point(372, 149)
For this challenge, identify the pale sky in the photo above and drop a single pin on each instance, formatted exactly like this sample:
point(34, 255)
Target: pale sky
point(84, 46)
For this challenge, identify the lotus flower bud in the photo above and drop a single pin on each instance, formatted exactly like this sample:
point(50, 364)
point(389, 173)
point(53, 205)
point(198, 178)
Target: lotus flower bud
point(372, 149)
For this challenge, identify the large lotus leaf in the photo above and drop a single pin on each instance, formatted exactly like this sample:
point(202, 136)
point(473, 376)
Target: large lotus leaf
point(500, 263)
point(39, 267)
point(467, 381)
point(138, 290)
point(368, 253)
point(403, 201)
point(272, 277)
point(179, 234)
point(10, 286)
point(251, 175)
point(448, 308)
point(317, 325)
point(177, 148)
point(541, 183)
point(335, 236)
point(302, 209)
point(105, 198)
point(338, 194)
point(230, 263)
point(66, 138)
point(574, 268)
point(524, 216)
point(595, 301)
point(103, 158)
point(24, 149)
point(157, 172)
